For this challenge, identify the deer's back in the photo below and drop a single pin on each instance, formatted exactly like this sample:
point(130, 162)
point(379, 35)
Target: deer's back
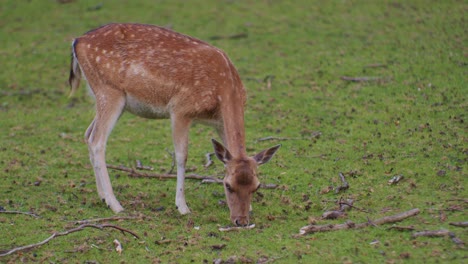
point(159, 71)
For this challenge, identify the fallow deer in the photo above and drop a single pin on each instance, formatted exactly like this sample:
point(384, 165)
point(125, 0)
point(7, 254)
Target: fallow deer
point(154, 72)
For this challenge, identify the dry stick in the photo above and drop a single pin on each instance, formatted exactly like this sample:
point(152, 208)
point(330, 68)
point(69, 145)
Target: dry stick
point(276, 138)
point(107, 219)
point(459, 224)
point(135, 173)
point(19, 212)
point(360, 79)
point(432, 233)
point(350, 225)
point(234, 36)
point(209, 161)
point(173, 161)
point(140, 166)
point(344, 186)
point(64, 233)
point(402, 228)
point(313, 135)
point(439, 233)
point(204, 179)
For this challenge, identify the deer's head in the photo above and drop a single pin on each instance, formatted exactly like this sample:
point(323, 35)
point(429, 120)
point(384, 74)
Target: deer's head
point(241, 180)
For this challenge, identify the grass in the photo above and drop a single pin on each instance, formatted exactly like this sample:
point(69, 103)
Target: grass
point(411, 122)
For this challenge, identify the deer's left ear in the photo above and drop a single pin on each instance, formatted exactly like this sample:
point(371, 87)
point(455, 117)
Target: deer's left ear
point(266, 155)
point(221, 152)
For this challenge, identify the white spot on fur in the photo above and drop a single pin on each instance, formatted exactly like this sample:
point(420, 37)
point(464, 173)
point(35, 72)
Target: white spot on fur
point(138, 69)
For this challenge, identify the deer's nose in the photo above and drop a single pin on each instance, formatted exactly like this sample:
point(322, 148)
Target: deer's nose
point(242, 221)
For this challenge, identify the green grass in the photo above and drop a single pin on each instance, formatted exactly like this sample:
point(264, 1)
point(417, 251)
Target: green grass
point(412, 122)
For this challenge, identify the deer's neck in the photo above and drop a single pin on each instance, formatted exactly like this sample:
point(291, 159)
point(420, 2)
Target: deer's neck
point(232, 108)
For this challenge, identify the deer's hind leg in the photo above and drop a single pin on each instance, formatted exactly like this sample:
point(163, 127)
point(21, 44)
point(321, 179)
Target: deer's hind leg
point(109, 106)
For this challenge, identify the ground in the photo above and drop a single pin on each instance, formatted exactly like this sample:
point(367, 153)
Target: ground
point(370, 90)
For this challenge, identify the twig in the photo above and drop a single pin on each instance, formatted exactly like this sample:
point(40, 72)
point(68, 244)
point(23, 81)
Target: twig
point(209, 161)
point(235, 228)
point(135, 173)
point(164, 241)
point(440, 233)
point(204, 179)
point(402, 228)
point(19, 212)
point(361, 79)
point(313, 135)
point(350, 225)
point(234, 36)
point(140, 166)
point(173, 161)
point(64, 233)
point(276, 138)
point(376, 65)
point(107, 219)
point(344, 186)
point(431, 233)
point(21, 92)
point(459, 224)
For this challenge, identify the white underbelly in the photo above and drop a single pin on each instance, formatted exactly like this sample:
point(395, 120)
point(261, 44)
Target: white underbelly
point(139, 108)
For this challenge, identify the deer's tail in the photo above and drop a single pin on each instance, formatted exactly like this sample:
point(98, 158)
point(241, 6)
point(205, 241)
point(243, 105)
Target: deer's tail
point(75, 71)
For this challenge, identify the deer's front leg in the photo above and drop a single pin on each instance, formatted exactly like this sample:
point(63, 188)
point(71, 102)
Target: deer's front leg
point(180, 129)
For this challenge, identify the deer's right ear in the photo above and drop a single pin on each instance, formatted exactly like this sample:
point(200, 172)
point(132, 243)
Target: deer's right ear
point(221, 152)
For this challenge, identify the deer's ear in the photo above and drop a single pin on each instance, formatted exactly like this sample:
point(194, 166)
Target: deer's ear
point(266, 155)
point(221, 152)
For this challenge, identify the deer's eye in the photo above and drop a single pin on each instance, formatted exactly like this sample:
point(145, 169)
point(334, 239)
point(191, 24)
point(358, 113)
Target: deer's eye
point(229, 188)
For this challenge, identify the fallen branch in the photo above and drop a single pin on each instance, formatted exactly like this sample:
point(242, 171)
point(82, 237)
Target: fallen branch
point(19, 212)
point(276, 138)
point(431, 233)
point(204, 179)
point(64, 233)
point(348, 204)
point(459, 224)
point(137, 174)
point(350, 225)
point(140, 166)
point(107, 219)
point(439, 233)
point(402, 228)
point(344, 185)
point(361, 79)
point(344, 206)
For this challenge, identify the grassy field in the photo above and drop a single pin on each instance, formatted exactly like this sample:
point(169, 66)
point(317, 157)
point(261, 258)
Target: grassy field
point(409, 119)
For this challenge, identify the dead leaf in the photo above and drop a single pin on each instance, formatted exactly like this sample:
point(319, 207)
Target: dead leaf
point(118, 246)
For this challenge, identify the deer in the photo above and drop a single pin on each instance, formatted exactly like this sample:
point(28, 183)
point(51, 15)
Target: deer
point(156, 73)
